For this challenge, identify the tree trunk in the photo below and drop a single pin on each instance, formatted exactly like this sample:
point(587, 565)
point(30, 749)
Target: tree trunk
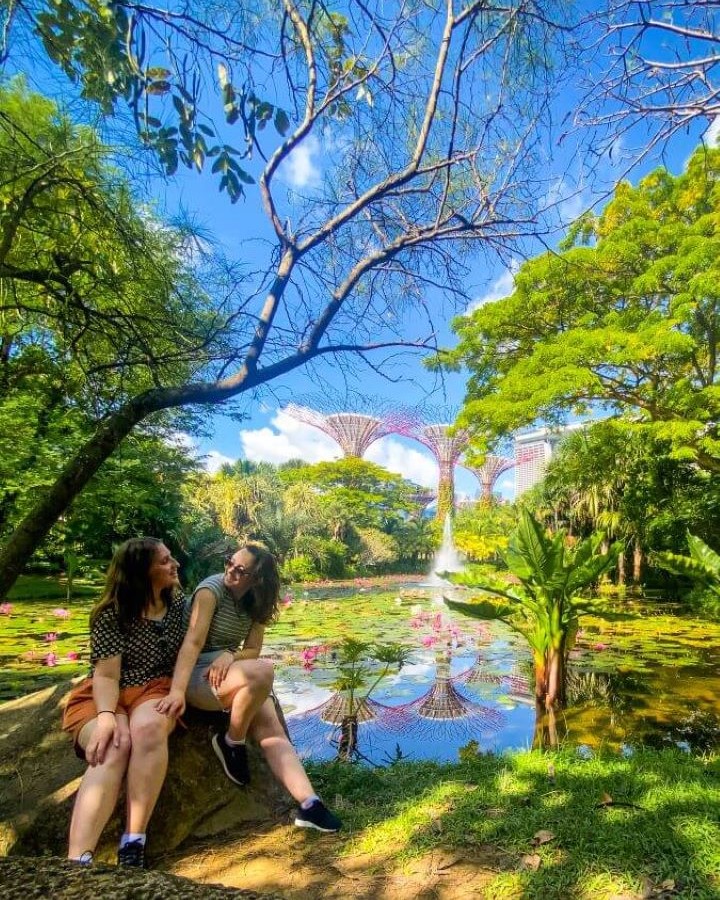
point(621, 572)
point(545, 735)
point(347, 749)
point(638, 559)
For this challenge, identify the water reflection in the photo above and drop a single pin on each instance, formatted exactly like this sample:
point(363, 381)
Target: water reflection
point(641, 675)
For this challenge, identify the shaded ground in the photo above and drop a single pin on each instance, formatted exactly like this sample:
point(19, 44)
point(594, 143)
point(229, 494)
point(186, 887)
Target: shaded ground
point(311, 866)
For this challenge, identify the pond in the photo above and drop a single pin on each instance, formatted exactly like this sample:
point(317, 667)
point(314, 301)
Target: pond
point(643, 673)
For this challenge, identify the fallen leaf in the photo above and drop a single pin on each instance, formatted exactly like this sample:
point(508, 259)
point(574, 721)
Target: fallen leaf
point(531, 861)
point(542, 837)
point(606, 800)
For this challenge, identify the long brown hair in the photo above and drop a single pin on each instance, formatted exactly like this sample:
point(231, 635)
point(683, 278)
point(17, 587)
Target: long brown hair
point(127, 584)
point(262, 600)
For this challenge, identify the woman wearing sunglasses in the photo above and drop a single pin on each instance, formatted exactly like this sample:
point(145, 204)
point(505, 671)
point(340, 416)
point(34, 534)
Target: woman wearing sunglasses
point(135, 633)
point(219, 668)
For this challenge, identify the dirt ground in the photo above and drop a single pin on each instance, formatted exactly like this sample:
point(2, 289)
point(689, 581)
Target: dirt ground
point(298, 863)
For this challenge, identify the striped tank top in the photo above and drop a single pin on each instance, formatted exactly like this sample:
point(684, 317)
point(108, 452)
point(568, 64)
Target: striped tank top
point(230, 623)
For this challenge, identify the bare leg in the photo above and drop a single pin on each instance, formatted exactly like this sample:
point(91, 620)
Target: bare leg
point(280, 754)
point(149, 731)
point(245, 688)
point(98, 793)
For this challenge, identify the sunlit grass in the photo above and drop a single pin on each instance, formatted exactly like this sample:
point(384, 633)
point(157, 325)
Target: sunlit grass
point(617, 824)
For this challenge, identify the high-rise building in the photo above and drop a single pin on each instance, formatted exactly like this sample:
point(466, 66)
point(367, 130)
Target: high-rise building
point(534, 450)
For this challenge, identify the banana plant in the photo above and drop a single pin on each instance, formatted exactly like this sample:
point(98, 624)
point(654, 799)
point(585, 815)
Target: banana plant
point(545, 603)
point(702, 565)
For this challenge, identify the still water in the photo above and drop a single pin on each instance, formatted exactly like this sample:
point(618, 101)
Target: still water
point(640, 674)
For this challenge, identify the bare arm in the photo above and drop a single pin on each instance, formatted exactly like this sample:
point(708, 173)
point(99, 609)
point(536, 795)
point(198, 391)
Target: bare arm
point(203, 609)
point(252, 645)
point(106, 690)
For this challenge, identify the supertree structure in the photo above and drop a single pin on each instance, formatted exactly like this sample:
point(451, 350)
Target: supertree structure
point(446, 444)
point(353, 431)
point(423, 497)
point(489, 472)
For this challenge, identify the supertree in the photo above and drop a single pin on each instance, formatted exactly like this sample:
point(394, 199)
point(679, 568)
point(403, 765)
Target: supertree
point(489, 472)
point(445, 443)
point(353, 431)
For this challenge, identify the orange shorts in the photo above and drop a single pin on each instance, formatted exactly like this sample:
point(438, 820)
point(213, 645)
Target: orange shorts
point(80, 708)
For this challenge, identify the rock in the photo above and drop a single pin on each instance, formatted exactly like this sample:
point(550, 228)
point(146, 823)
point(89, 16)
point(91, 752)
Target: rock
point(39, 775)
point(23, 878)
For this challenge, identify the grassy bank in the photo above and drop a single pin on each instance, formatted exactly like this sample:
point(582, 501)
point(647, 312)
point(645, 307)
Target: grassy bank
point(546, 825)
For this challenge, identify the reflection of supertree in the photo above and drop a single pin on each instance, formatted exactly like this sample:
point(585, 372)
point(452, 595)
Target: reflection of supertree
point(442, 701)
point(480, 677)
point(489, 472)
point(443, 711)
point(339, 706)
point(309, 729)
point(446, 445)
point(353, 431)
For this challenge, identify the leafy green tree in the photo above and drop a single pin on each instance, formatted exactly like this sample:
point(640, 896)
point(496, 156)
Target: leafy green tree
point(417, 176)
point(702, 566)
point(626, 316)
point(482, 529)
point(355, 493)
point(545, 605)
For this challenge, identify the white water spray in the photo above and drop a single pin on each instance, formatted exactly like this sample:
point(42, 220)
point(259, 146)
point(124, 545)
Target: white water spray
point(447, 558)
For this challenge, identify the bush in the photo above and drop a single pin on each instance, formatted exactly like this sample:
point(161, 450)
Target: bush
point(299, 568)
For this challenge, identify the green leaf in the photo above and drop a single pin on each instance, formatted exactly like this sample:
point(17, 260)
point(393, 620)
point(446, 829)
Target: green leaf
point(282, 122)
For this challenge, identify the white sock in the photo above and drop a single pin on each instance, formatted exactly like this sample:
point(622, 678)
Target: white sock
point(306, 804)
point(84, 859)
point(231, 743)
point(130, 836)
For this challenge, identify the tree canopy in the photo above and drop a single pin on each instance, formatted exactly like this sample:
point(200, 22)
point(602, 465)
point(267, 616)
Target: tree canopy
point(624, 319)
point(431, 120)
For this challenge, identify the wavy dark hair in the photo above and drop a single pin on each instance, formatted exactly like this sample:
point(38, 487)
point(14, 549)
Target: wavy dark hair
point(127, 584)
point(261, 602)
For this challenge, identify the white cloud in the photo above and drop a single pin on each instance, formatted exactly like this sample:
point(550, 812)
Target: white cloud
point(503, 286)
point(405, 461)
point(712, 134)
point(214, 460)
point(300, 169)
point(287, 439)
point(565, 201)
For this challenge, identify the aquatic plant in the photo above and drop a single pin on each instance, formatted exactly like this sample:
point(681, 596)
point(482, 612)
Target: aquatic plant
point(361, 667)
point(545, 603)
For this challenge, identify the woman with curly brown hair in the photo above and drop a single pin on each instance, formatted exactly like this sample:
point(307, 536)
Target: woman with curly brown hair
point(136, 630)
point(220, 669)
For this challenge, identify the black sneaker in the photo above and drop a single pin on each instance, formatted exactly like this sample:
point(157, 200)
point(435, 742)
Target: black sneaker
point(234, 760)
point(318, 816)
point(132, 854)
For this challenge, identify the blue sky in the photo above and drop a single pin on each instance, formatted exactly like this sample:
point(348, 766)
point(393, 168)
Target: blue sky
point(268, 433)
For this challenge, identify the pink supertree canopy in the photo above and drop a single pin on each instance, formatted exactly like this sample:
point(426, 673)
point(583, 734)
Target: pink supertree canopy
point(489, 472)
point(446, 444)
point(353, 431)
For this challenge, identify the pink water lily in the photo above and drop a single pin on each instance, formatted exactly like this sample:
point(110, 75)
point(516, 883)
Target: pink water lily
point(429, 640)
point(5, 609)
point(73, 655)
point(50, 637)
point(50, 659)
point(61, 613)
point(600, 646)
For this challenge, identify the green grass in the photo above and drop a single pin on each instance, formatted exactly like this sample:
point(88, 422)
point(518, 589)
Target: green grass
point(669, 830)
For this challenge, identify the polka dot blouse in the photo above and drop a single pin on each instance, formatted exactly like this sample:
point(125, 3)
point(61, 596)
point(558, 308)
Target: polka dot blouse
point(148, 647)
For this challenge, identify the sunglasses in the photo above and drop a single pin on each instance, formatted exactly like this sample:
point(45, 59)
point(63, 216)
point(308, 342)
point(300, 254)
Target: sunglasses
point(239, 569)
